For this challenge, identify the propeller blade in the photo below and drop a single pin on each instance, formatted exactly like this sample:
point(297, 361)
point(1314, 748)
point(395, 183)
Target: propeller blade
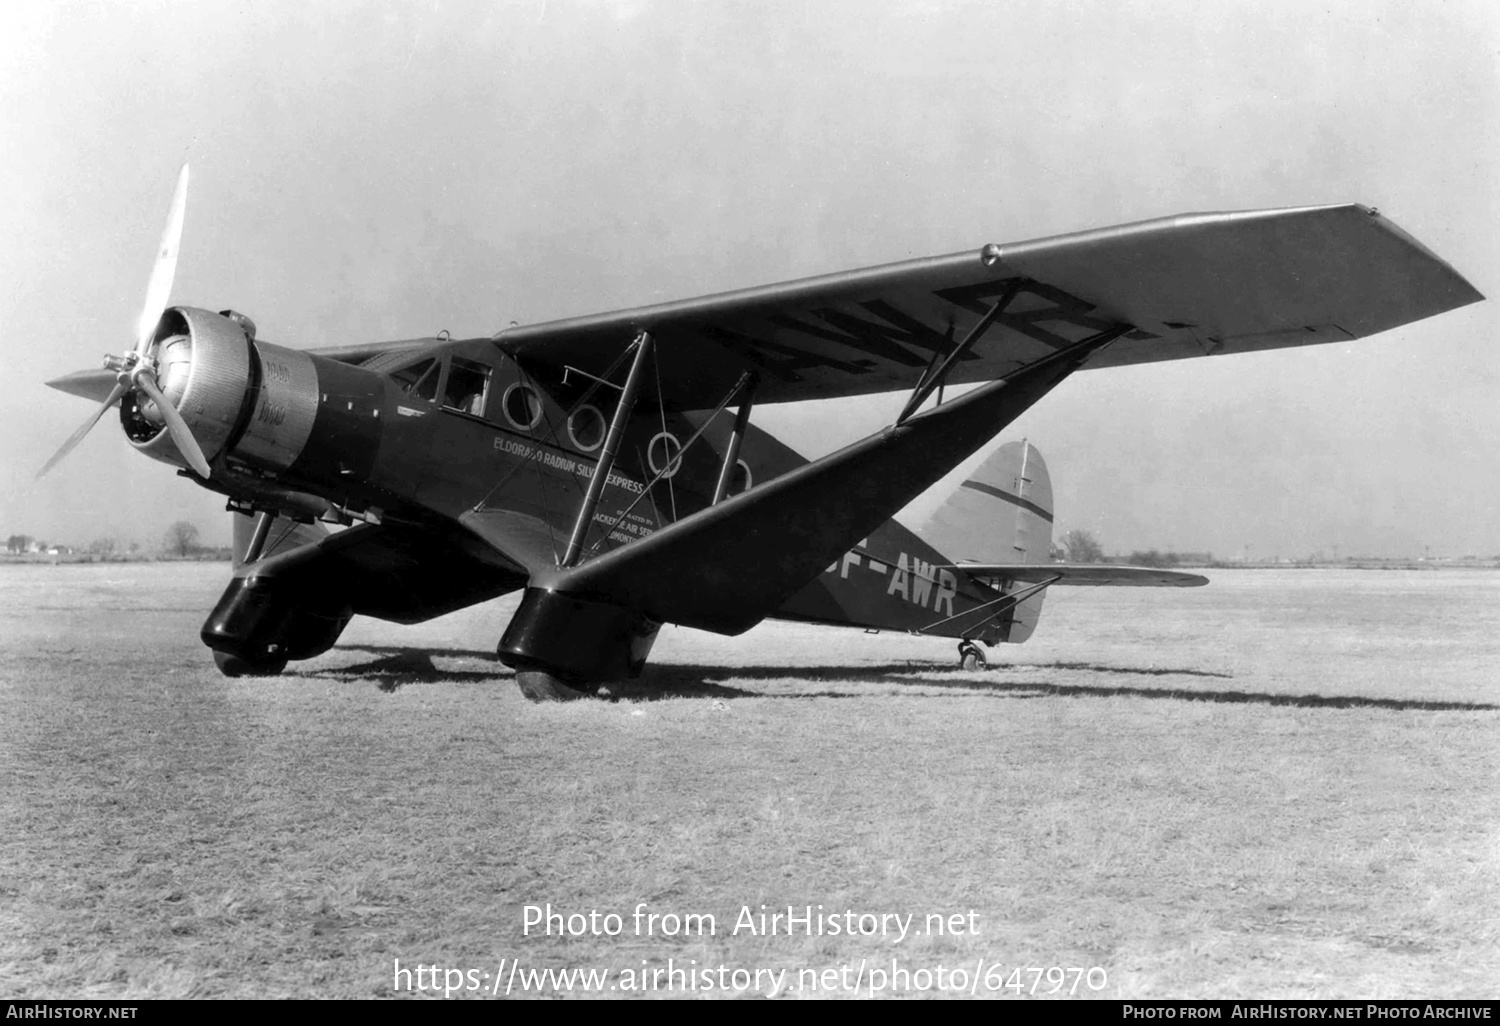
point(87, 384)
point(159, 287)
point(186, 443)
point(67, 447)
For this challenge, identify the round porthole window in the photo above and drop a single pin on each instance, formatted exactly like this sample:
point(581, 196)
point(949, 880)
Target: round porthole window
point(586, 427)
point(664, 454)
point(522, 406)
point(739, 478)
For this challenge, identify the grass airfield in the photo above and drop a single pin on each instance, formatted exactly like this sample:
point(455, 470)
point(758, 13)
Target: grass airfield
point(1286, 784)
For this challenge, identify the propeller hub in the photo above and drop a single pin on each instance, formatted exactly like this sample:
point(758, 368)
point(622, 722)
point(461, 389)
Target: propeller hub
point(168, 371)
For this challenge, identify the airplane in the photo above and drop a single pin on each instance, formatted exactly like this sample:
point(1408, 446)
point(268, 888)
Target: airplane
point(607, 468)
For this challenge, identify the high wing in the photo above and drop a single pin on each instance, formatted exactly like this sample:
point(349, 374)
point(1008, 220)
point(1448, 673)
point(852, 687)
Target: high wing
point(1088, 574)
point(1192, 285)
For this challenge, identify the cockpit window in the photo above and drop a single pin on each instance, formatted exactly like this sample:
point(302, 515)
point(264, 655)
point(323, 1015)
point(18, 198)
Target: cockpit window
point(468, 385)
point(420, 380)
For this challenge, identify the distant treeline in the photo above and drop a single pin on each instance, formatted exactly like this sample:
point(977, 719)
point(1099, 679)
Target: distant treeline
point(179, 542)
point(203, 555)
point(1157, 558)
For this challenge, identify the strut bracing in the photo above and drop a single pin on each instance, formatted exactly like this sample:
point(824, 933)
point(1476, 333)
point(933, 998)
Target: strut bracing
point(933, 380)
point(739, 386)
point(732, 451)
point(258, 538)
point(607, 456)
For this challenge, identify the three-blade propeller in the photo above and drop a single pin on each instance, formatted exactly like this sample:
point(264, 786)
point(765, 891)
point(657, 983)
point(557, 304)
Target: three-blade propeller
point(135, 371)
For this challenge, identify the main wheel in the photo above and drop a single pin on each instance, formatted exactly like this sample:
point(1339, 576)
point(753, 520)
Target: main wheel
point(541, 686)
point(236, 666)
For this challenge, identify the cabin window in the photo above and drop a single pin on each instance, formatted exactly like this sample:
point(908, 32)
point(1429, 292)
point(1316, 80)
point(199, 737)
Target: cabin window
point(739, 479)
point(420, 380)
point(468, 385)
point(586, 427)
point(664, 454)
point(522, 406)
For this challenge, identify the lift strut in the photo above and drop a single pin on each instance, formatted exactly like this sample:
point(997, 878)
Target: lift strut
point(732, 451)
point(606, 463)
point(258, 537)
point(745, 382)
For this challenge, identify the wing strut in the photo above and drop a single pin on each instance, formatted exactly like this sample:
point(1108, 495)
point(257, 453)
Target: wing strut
point(732, 451)
point(746, 380)
point(606, 463)
point(258, 538)
point(726, 567)
point(930, 381)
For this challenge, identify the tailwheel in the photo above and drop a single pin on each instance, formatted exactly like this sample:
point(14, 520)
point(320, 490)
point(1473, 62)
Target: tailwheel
point(970, 657)
point(541, 686)
point(238, 666)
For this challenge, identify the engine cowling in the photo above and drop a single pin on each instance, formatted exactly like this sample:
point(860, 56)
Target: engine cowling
point(197, 390)
point(253, 406)
point(204, 368)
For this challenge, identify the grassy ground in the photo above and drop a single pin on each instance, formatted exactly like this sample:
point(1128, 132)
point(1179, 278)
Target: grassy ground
point(1284, 784)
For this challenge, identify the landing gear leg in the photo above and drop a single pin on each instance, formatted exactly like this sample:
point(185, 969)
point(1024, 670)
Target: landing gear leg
point(970, 657)
point(541, 686)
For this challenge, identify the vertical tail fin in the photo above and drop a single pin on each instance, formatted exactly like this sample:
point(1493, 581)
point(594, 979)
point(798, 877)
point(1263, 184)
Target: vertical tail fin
point(1001, 514)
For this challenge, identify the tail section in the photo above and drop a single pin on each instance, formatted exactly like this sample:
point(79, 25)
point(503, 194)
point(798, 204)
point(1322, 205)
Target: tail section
point(1001, 514)
point(978, 569)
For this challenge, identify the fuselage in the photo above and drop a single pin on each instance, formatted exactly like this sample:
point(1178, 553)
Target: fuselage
point(445, 433)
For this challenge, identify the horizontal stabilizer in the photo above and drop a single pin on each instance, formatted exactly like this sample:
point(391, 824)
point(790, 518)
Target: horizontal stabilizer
point(1092, 574)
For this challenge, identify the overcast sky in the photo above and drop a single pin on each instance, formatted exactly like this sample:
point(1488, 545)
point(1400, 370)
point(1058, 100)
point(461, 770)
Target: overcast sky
point(389, 170)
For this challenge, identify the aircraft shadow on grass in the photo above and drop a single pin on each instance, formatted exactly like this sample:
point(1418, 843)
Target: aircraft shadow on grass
point(395, 667)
